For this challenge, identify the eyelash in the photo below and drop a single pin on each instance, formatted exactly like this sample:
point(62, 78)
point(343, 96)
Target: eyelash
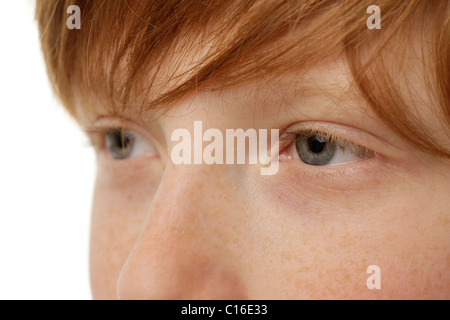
point(98, 138)
point(342, 142)
point(289, 137)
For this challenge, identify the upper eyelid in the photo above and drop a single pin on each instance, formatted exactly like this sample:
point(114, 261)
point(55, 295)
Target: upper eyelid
point(97, 134)
point(346, 134)
point(99, 128)
point(106, 123)
point(360, 141)
point(289, 134)
point(342, 142)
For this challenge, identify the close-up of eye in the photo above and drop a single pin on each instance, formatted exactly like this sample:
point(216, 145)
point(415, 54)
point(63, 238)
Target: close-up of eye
point(122, 144)
point(322, 149)
point(119, 143)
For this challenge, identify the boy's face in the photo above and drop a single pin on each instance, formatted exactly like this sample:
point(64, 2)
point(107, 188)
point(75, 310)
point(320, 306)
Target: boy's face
point(168, 231)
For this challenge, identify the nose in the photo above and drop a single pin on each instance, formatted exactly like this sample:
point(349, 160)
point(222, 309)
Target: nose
point(186, 248)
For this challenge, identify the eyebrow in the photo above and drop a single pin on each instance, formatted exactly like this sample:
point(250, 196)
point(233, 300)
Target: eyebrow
point(274, 96)
point(331, 78)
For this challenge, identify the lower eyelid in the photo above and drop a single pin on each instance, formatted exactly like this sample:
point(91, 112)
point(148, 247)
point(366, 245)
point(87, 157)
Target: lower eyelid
point(352, 176)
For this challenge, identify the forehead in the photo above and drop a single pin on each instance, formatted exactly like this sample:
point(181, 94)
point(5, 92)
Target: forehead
point(330, 78)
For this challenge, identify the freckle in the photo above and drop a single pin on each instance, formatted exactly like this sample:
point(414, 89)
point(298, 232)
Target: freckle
point(444, 221)
point(346, 277)
point(364, 262)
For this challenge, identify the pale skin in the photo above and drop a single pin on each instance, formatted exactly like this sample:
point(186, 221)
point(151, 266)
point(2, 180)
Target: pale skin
point(164, 231)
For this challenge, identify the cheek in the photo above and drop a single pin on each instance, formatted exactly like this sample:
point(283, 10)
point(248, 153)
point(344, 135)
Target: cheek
point(321, 247)
point(118, 213)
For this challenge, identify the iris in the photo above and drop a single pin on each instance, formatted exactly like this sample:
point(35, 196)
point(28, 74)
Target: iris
point(119, 143)
point(317, 150)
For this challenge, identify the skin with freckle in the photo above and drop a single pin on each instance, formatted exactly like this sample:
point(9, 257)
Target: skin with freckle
point(198, 231)
point(227, 232)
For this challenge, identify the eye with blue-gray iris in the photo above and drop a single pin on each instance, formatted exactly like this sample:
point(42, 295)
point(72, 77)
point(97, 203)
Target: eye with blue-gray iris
point(316, 150)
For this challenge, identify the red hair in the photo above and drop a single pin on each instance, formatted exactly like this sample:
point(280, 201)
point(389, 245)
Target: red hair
point(128, 48)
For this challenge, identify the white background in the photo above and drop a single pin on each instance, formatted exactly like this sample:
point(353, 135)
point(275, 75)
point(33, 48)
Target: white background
point(47, 171)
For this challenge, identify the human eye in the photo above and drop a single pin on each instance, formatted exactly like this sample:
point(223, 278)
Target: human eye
point(318, 156)
point(118, 143)
point(322, 147)
point(122, 144)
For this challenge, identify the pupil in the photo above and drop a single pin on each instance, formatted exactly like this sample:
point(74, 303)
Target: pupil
point(316, 144)
point(119, 144)
point(122, 141)
point(316, 150)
